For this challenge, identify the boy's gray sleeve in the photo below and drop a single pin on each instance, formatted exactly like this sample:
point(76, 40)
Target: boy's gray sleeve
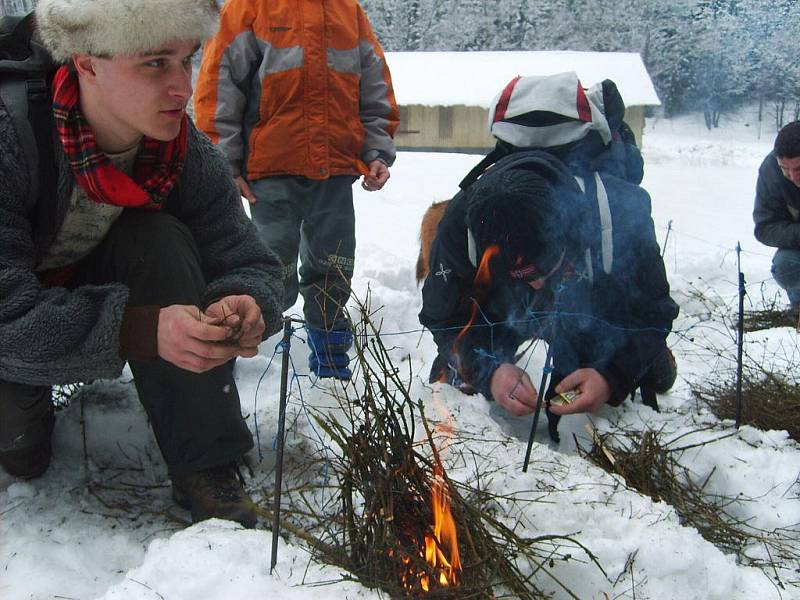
point(378, 110)
point(225, 82)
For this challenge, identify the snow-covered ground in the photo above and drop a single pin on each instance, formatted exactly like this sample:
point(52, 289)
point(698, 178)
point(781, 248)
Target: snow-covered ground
point(106, 527)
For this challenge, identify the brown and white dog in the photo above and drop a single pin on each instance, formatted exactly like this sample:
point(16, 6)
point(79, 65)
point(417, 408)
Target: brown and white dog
point(427, 233)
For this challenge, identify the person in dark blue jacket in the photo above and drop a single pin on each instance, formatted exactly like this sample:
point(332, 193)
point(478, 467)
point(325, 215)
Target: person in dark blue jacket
point(777, 210)
point(555, 244)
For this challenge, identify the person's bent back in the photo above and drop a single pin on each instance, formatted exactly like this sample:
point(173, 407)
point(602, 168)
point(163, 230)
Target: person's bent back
point(777, 209)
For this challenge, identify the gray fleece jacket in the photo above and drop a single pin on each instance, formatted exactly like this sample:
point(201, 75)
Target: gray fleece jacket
point(54, 335)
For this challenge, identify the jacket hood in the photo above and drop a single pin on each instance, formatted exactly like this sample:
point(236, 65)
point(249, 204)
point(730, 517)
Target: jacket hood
point(518, 213)
point(547, 111)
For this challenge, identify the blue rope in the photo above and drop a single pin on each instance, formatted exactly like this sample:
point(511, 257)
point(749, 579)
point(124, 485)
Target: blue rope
point(283, 347)
point(535, 318)
point(324, 447)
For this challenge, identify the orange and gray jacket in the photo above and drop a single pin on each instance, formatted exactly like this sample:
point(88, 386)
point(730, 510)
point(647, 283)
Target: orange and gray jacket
point(297, 87)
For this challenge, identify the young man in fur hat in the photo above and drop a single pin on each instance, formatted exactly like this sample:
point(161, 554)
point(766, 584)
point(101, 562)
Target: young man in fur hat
point(143, 254)
point(777, 210)
point(554, 243)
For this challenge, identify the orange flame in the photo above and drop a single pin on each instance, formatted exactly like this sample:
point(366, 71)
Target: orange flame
point(484, 275)
point(440, 540)
point(441, 548)
point(445, 537)
point(482, 278)
point(464, 331)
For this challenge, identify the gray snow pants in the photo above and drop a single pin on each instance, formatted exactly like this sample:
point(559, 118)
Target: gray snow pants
point(314, 220)
point(196, 417)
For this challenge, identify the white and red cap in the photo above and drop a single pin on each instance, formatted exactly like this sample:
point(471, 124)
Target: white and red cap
point(547, 111)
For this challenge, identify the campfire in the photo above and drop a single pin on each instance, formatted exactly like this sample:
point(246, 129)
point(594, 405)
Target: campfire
point(389, 512)
point(439, 548)
point(445, 536)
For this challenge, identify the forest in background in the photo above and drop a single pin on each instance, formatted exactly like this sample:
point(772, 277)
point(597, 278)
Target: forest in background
point(706, 55)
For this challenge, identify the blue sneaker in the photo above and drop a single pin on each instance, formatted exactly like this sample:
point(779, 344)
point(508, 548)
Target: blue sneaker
point(328, 356)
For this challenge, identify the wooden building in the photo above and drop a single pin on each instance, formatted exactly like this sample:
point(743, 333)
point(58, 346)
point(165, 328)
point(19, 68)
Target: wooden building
point(444, 97)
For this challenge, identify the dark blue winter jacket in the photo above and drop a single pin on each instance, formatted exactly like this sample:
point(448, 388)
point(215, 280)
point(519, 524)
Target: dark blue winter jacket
point(777, 207)
point(612, 314)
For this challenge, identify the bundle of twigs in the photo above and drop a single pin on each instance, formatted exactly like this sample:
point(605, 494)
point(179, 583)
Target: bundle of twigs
point(770, 318)
point(653, 468)
point(389, 472)
point(769, 401)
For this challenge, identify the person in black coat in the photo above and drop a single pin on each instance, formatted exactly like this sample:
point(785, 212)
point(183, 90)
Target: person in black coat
point(559, 245)
point(777, 209)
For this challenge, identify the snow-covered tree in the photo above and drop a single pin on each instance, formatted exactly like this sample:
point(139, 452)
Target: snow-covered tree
point(11, 7)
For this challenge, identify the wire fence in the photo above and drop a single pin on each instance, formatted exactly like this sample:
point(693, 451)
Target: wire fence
point(705, 332)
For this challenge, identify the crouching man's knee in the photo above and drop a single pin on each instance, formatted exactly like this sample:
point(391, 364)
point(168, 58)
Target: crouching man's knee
point(155, 255)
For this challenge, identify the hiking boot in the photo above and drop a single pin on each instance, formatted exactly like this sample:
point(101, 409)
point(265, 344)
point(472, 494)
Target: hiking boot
point(215, 493)
point(26, 428)
point(328, 356)
point(662, 373)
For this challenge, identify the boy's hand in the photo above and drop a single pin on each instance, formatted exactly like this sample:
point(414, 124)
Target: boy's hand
point(244, 189)
point(378, 175)
point(512, 389)
point(242, 318)
point(591, 388)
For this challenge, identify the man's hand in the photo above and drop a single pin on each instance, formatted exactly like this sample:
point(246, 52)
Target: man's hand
point(187, 339)
point(242, 318)
point(244, 189)
point(592, 391)
point(512, 389)
point(378, 175)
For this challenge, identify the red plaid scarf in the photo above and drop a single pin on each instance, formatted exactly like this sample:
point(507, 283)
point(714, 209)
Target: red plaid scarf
point(156, 170)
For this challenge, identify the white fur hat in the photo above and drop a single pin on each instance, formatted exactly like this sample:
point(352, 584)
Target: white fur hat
point(111, 27)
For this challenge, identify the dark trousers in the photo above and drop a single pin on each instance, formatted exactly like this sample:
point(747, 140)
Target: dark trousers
point(786, 270)
point(24, 411)
point(314, 220)
point(196, 417)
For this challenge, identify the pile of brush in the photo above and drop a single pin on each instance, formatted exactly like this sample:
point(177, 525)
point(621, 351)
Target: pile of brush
point(391, 516)
point(769, 401)
point(652, 467)
point(770, 318)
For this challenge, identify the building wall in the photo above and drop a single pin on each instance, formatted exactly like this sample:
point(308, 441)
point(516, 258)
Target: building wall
point(634, 116)
point(443, 128)
point(462, 128)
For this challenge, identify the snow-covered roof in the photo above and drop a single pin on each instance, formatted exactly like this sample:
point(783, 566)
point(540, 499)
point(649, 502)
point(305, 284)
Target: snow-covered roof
point(474, 78)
